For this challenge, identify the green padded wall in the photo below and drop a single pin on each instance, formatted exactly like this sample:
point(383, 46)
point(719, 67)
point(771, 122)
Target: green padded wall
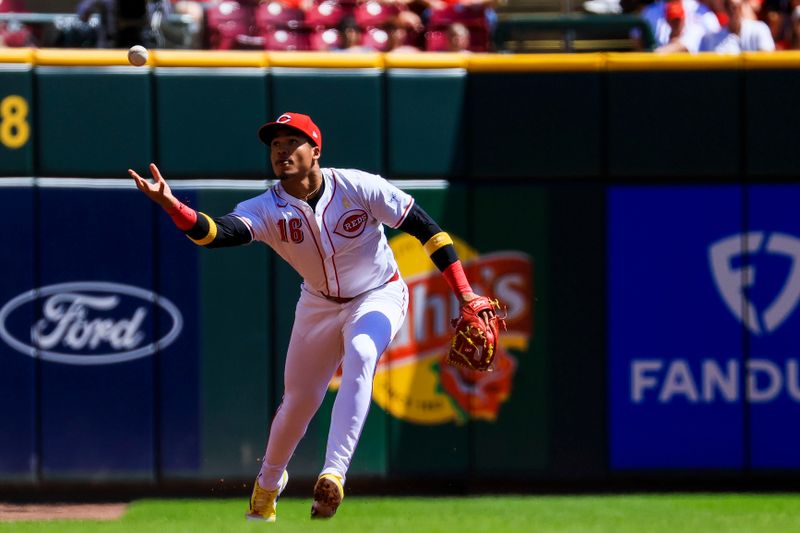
point(771, 115)
point(674, 123)
point(207, 121)
point(425, 130)
point(537, 124)
point(346, 104)
point(93, 121)
point(17, 115)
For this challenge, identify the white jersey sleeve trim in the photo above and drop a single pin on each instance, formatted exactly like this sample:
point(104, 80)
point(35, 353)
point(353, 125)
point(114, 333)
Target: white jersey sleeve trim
point(249, 224)
point(404, 215)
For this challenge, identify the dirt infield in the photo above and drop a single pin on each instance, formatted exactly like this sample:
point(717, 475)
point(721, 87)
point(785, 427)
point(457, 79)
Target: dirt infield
point(61, 511)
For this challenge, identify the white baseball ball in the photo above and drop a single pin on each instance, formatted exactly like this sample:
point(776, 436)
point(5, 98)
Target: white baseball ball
point(137, 55)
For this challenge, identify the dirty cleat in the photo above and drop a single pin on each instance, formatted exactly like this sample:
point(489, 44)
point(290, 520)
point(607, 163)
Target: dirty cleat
point(328, 494)
point(264, 503)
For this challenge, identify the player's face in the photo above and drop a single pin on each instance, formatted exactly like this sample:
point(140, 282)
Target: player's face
point(292, 155)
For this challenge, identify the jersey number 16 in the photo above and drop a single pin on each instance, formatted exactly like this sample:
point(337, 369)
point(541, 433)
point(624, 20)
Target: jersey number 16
point(295, 233)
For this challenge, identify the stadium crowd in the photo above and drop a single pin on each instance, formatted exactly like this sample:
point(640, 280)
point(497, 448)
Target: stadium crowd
point(323, 25)
point(725, 26)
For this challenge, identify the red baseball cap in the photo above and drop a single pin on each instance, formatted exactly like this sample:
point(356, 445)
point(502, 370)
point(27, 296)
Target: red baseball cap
point(298, 121)
point(673, 10)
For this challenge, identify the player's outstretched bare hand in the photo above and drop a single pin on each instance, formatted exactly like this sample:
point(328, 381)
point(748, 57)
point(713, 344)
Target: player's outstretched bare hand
point(158, 190)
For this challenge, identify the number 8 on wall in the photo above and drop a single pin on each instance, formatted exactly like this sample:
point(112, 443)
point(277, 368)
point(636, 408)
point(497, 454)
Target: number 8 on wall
point(14, 128)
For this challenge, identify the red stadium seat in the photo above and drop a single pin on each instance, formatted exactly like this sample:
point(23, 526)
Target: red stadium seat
point(467, 15)
point(374, 14)
point(436, 41)
point(286, 40)
point(277, 15)
point(323, 39)
point(12, 6)
point(328, 14)
point(473, 17)
point(225, 22)
point(479, 38)
point(376, 39)
point(16, 35)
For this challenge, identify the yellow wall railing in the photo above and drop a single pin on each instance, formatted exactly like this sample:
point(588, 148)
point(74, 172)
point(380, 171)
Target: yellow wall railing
point(471, 62)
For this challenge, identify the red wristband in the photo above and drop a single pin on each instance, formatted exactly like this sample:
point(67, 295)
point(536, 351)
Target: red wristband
point(454, 274)
point(182, 215)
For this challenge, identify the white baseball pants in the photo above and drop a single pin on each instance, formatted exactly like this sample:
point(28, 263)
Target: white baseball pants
point(324, 335)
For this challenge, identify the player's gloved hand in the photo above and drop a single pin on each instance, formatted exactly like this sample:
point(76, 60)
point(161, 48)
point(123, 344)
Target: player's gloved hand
point(474, 344)
point(485, 314)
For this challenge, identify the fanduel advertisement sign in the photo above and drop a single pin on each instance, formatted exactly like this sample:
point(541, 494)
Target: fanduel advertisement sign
point(704, 285)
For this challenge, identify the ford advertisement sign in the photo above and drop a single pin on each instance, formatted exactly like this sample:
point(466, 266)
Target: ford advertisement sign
point(89, 323)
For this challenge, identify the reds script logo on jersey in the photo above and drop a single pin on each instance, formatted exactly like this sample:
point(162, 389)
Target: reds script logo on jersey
point(351, 224)
point(338, 247)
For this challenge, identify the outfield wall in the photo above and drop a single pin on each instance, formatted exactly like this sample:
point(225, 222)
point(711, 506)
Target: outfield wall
point(651, 290)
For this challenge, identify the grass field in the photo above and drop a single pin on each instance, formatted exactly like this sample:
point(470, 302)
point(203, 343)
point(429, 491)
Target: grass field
point(613, 513)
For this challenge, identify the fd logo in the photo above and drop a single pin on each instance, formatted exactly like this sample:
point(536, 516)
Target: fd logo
point(351, 224)
point(86, 323)
point(733, 276)
point(412, 381)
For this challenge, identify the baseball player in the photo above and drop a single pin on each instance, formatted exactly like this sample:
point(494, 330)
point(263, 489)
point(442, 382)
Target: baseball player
point(328, 224)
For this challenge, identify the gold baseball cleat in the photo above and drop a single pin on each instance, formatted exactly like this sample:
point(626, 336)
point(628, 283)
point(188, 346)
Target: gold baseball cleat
point(264, 503)
point(328, 495)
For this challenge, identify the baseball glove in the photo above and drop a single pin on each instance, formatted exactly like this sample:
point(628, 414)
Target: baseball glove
point(474, 344)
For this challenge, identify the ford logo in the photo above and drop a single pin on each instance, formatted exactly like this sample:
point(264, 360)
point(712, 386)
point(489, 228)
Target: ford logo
point(77, 326)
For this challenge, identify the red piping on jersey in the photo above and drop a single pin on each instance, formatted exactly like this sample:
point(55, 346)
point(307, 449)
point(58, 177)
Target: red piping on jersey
point(325, 225)
point(279, 197)
point(403, 216)
point(321, 257)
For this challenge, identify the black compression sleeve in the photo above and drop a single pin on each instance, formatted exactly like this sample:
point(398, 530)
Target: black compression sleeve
point(218, 232)
point(231, 231)
point(419, 224)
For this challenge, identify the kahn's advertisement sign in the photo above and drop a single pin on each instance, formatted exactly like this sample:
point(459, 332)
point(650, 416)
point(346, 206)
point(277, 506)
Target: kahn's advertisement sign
point(704, 344)
point(87, 323)
point(412, 382)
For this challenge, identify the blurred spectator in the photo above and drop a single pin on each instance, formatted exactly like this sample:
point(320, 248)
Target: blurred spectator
point(473, 17)
point(775, 13)
point(122, 23)
point(13, 33)
point(740, 35)
point(131, 21)
point(190, 33)
point(16, 35)
point(87, 31)
point(718, 7)
point(795, 21)
point(603, 7)
point(696, 22)
point(352, 35)
point(457, 38)
point(398, 37)
point(676, 19)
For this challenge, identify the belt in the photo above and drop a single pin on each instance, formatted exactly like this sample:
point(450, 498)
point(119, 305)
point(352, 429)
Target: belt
point(338, 300)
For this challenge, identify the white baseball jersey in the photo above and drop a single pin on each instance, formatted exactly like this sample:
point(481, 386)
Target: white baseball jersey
point(339, 248)
point(700, 21)
point(753, 36)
